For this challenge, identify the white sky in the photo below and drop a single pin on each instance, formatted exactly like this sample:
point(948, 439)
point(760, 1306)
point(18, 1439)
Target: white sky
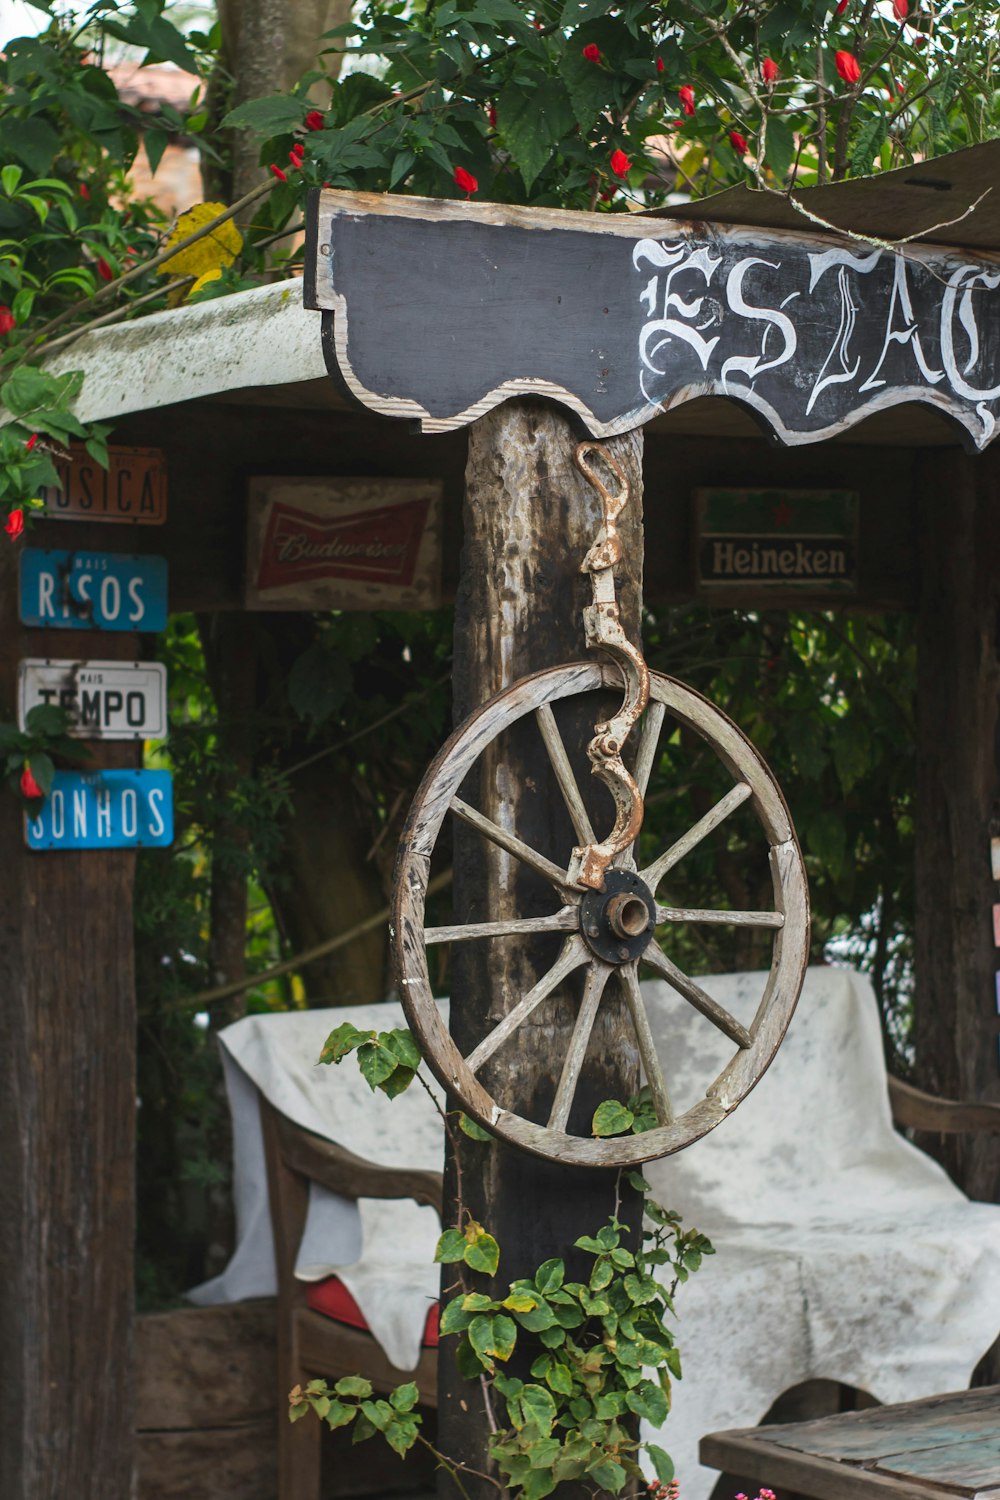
point(17, 18)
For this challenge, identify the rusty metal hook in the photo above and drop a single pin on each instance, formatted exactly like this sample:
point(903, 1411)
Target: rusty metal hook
point(604, 632)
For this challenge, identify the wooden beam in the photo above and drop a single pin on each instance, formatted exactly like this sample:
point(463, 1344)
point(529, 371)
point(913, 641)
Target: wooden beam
point(958, 802)
point(529, 521)
point(67, 1132)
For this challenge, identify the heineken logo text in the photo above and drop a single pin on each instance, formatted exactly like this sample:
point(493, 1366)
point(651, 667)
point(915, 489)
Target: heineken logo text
point(791, 558)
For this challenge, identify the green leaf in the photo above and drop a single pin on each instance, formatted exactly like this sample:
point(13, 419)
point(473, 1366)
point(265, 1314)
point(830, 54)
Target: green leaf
point(46, 719)
point(353, 1385)
point(532, 121)
point(471, 1129)
point(647, 1400)
point(343, 1040)
point(10, 176)
point(41, 767)
point(539, 1408)
point(560, 1378)
point(868, 144)
point(455, 1318)
point(318, 683)
point(273, 114)
point(609, 1474)
point(155, 143)
point(33, 141)
point(483, 1254)
point(451, 1247)
point(550, 1276)
point(611, 1118)
point(404, 1397)
point(662, 1463)
point(340, 1414)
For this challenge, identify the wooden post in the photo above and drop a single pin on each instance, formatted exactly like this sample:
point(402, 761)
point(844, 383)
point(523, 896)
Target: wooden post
point(529, 520)
point(67, 1133)
point(956, 1023)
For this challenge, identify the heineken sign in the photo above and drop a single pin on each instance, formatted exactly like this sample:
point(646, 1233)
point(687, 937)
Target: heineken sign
point(804, 541)
point(438, 311)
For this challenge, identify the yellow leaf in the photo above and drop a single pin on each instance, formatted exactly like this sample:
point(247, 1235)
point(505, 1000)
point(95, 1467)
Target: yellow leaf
point(215, 250)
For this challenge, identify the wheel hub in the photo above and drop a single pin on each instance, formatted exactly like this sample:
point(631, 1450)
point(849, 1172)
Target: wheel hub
point(617, 923)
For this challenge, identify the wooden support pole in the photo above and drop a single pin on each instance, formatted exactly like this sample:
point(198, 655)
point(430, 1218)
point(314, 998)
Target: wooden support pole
point(530, 518)
point(67, 1133)
point(956, 1024)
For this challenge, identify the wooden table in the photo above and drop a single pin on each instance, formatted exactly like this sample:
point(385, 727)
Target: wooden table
point(937, 1449)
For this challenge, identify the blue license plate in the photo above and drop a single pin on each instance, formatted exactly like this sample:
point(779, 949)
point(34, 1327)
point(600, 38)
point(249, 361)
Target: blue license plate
point(105, 810)
point(92, 590)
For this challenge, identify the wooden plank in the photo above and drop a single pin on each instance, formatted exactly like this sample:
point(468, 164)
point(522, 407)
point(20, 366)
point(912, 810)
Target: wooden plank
point(806, 1474)
point(880, 1430)
point(534, 287)
point(238, 1462)
point(966, 1465)
point(205, 1366)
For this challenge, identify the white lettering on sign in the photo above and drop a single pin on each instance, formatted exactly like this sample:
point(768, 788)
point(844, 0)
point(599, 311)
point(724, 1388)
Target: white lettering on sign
point(156, 822)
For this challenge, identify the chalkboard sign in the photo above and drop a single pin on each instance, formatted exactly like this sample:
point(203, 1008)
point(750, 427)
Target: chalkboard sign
point(440, 310)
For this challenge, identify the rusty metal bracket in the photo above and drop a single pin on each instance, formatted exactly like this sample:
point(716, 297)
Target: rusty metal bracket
point(604, 632)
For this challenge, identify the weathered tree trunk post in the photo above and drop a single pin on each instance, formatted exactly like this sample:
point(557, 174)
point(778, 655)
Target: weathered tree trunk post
point(530, 518)
point(67, 1134)
point(958, 800)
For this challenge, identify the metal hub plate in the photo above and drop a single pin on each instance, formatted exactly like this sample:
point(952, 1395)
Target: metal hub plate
point(613, 922)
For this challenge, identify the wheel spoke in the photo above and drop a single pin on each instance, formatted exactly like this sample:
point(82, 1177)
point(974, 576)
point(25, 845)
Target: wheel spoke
point(721, 918)
point(655, 872)
point(574, 953)
point(647, 1047)
point(696, 996)
point(597, 978)
point(649, 741)
point(566, 920)
point(510, 842)
point(564, 774)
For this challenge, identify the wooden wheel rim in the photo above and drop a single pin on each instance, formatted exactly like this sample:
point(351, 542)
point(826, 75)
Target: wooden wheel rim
point(430, 806)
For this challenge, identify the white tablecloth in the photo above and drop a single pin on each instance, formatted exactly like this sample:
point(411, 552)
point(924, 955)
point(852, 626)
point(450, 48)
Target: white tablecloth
point(842, 1251)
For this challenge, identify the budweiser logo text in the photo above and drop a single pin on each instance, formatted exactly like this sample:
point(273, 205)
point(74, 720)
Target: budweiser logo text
point(379, 545)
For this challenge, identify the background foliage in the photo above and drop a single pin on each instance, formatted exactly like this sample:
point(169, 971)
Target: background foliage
point(571, 103)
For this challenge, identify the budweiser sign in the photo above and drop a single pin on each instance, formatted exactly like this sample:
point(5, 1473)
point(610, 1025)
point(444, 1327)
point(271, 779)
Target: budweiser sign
point(343, 544)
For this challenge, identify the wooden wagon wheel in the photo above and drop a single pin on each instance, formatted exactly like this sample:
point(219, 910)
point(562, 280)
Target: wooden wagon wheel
point(606, 931)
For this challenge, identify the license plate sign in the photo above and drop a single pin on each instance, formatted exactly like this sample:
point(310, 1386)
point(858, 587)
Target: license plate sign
point(133, 488)
point(92, 590)
point(105, 810)
point(103, 700)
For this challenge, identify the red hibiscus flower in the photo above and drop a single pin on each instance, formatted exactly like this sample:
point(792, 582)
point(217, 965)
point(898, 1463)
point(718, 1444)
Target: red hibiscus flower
point(7, 320)
point(29, 786)
point(848, 67)
point(314, 120)
point(466, 181)
point(104, 271)
point(620, 164)
point(738, 142)
point(15, 524)
point(686, 95)
point(769, 70)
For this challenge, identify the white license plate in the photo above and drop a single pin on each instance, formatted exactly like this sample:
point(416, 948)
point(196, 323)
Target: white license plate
point(103, 700)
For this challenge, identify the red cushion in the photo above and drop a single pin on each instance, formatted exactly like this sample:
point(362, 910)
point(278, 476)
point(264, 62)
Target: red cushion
point(333, 1300)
